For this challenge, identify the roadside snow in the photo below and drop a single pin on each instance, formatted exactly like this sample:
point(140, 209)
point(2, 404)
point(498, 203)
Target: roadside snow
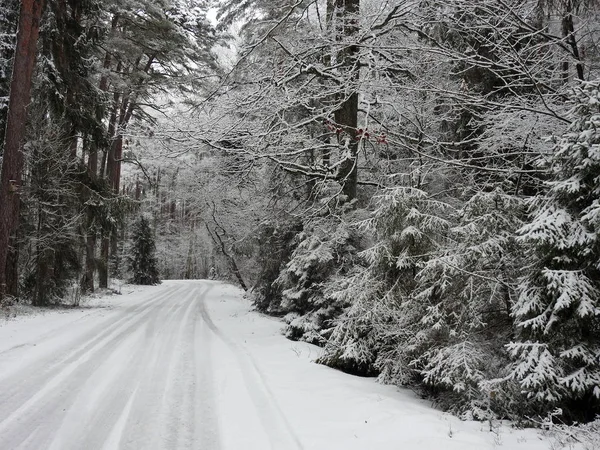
point(332, 410)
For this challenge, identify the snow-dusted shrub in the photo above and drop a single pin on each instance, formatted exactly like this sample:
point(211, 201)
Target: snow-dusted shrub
point(433, 306)
point(276, 243)
point(355, 340)
point(557, 313)
point(383, 318)
point(325, 252)
point(142, 260)
point(466, 291)
point(584, 436)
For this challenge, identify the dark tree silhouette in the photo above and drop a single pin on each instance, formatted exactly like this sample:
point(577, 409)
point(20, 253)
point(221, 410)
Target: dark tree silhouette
point(143, 263)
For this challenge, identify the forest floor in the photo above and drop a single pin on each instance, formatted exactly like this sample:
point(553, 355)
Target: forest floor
point(188, 365)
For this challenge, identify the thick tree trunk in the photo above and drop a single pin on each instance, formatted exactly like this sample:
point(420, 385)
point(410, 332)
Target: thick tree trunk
point(108, 158)
point(45, 257)
point(107, 169)
point(10, 23)
point(346, 116)
point(87, 284)
point(20, 91)
point(94, 171)
point(114, 253)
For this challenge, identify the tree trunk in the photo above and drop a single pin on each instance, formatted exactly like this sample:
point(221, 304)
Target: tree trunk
point(103, 264)
point(45, 258)
point(108, 157)
point(10, 23)
point(233, 264)
point(346, 116)
point(20, 92)
point(568, 29)
point(114, 253)
point(87, 283)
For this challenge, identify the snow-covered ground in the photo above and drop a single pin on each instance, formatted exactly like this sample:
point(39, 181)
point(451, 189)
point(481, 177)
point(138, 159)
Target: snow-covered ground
point(188, 365)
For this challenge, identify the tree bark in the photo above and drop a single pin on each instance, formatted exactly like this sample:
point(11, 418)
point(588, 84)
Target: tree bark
point(87, 283)
point(20, 93)
point(568, 29)
point(103, 264)
point(10, 24)
point(94, 172)
point(107, 169)
point(346, 115)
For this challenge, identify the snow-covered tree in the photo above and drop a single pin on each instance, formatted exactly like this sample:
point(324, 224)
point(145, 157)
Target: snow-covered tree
point(383, 315)
point(142, 260)
point(324, 252)
point(467, 291)
point(557, 355)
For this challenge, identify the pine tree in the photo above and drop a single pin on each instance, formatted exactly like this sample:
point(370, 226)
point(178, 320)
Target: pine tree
point(324, 252)
point(377, 332)
point(558, 308)
point(143, 262)
point(467, 293)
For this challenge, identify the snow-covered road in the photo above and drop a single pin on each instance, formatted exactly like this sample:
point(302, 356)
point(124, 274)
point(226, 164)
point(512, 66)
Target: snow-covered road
point(187, 365)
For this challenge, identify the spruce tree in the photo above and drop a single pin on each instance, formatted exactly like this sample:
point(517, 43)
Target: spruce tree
point(376, 332)
point(558, 309)
point(466, 293)
point(142, 261)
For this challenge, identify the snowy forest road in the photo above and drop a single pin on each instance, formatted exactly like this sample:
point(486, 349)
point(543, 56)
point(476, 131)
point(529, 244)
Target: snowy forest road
point(141, 378)
point(189, 365)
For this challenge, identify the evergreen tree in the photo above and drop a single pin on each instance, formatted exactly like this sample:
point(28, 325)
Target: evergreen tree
point(558, 308)
point(143, 262)
point(380, 330)
point(466, 293)
point(324, 252)
point(12, 157)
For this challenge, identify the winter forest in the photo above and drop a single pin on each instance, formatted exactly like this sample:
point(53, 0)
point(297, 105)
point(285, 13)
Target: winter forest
point(412, 185)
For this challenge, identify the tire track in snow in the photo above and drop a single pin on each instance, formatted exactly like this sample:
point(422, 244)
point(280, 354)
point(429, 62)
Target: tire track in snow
point(42, 338)
point(43, 378)
point(178, 423)
point(163, 414)
point(163, 324)
point(39, 394)
point(146, 381)
point(274, 422)
point(143, 424)
point(107, 393)
point(89, 338)
point(206, 411)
